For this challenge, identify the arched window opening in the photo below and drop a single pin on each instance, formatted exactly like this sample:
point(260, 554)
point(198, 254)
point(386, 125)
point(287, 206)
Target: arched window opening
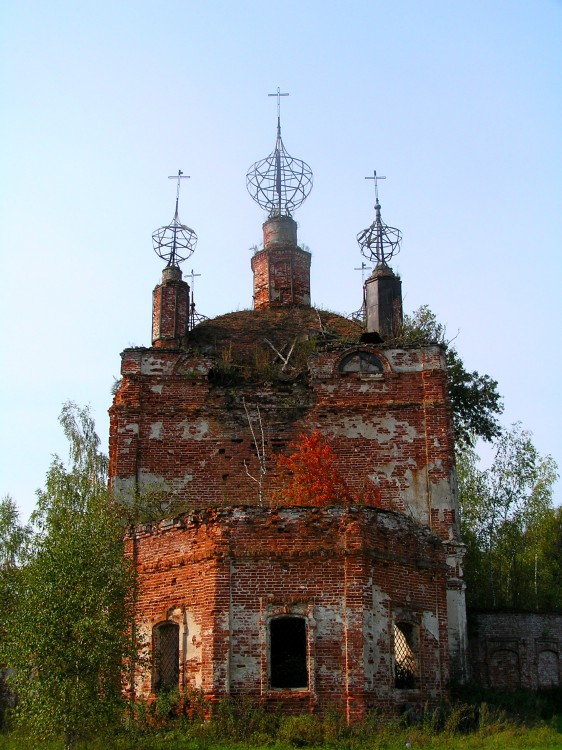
point(548, 670)
point(406, 651)
point(504, 669)
point(288, 653)
point(165, 657)
point(362, 362)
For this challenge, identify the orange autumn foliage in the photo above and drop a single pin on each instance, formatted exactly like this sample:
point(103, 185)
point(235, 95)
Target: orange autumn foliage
point(310, 476)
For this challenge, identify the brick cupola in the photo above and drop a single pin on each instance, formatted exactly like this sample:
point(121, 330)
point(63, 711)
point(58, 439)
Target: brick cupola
point(173, 243)
point(170, 310)
point(281, 269)
point(382, 292)
point(383, 302)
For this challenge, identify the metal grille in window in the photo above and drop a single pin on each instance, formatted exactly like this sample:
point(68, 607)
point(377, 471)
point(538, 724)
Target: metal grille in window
point(405, 656)
point(166, 657)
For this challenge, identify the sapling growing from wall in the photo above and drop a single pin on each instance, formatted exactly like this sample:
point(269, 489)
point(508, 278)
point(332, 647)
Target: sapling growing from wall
point(260, 451)
point(309, 475)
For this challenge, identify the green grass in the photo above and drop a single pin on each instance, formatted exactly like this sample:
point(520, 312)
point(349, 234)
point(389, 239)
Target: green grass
point(538, 738)
point(475, 720)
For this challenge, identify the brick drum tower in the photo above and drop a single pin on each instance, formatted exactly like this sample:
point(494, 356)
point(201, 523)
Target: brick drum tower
point(354, 605)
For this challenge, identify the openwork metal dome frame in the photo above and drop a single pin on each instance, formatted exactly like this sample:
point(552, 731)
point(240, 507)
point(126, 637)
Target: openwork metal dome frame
point(379, 242)
point(279, 183)
point(175, 242)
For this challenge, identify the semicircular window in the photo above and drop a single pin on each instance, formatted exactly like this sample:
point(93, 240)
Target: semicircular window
point(361, 361)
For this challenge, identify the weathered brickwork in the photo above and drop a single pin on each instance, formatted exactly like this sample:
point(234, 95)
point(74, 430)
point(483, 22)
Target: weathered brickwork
point(282, 269)
point(281, 277)
point(172, 427)
point(170, 310)
point(223, 568)
point(223, 574)
point(304, 608)
point(516, 650)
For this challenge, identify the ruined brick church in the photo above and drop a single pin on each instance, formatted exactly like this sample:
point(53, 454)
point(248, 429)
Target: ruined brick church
point(352, 606)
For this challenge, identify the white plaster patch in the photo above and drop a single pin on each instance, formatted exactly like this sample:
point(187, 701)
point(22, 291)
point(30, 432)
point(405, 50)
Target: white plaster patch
point(144, 635)
point(156, 389)
point(415, 495)
point(375, 382)
point(151, 366)
point(391, 522)
point(442, 495)
point(192, 647)
point(152, 483)
point(194, 430)
point(245, 655)
point(412, 360)
point(457, 631)
point(376, 646)
point(402, 360)
point(156, 431)
point(327, 388)
point(330, 627)
point(431, 624)
point(382, 430)
point(124, 490)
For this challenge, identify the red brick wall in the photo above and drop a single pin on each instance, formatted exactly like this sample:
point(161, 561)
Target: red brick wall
point(170, 309)
point(221, 574)
point(281, 277)
point(180, 434)
point(173, 428)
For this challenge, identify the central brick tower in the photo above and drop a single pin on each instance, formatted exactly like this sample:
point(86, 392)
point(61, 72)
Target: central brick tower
point(281, 269)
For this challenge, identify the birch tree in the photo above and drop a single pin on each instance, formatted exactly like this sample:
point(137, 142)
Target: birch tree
point(505, 513)
point(73, 611)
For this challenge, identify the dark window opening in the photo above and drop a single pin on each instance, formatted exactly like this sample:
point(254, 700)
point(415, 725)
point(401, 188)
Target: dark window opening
point(405, 656)
point(288, 653)
point(363, 362)
point(166, 657)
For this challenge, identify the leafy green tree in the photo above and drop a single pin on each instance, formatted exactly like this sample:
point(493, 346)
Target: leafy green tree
point(14, 541)
point(550, 561)
point(73, 613)
point(475, 400)
point(509, 525)
point(14, 544)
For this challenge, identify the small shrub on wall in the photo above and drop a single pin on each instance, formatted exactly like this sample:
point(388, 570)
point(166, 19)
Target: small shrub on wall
point(309, 476)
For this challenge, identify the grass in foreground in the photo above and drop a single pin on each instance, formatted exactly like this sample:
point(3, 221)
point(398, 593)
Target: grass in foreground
point(504, 721)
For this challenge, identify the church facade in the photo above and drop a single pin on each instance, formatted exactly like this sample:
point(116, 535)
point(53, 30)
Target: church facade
point(349, 605)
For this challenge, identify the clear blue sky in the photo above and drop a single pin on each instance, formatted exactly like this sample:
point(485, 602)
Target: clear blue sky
point(458, 103)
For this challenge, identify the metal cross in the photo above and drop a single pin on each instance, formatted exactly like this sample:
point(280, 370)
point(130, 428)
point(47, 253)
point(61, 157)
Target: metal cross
point(376, 178)
point(180, 176)
point(278, 95)
point(193, 275)
point(364, 266)
point(192, 306)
